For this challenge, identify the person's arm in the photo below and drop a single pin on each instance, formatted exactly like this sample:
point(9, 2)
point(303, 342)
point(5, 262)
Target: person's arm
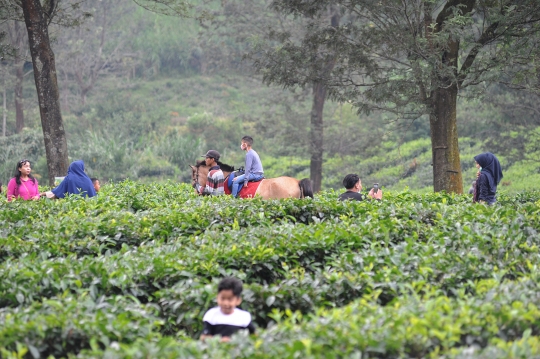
point(207, 331)
point(11, 190)
point(209, 187)
point(377, 196)
point(251, 328)
point(37, 194)
point(219, 181)
point(49, 195)
point(483, 189)
point(213, 182)
point(249, 164)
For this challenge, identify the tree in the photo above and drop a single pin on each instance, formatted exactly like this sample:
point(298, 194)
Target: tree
point(319, 98)
point(18, 43)
point(38, 15)
point(253, 22)
point(37, 20)
point(88, 53)
point(410, 57)
point(180, 8)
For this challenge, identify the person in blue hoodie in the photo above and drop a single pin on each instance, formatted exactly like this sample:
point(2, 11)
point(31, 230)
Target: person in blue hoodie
point(488, 177)
point(76, 182)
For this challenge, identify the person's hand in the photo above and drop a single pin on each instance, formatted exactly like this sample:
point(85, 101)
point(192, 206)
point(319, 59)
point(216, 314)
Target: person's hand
point(245, 184)
point(205, 336)
point(235, 178)
point(225, 339)
point(49, 194)
point(35, 198)
point(477, 174)
point(374, 195)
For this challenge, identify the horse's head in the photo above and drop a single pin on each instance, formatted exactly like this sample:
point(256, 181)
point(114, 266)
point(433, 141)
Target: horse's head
point(198, 174)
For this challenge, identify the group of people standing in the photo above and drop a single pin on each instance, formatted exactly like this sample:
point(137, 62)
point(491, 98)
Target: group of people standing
point(25, 186)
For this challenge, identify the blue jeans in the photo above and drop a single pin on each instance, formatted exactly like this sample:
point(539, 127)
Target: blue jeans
point(241, 179)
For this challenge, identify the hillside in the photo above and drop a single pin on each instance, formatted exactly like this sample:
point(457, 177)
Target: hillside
point(152, 129)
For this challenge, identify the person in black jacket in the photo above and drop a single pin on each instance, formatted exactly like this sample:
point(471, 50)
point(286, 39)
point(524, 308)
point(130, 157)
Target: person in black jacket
point(488, 177)
point(353, 185)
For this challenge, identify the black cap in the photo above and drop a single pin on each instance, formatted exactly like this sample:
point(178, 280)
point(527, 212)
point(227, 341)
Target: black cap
point(212, 153)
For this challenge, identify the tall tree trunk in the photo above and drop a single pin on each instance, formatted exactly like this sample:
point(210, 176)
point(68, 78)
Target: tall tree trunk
point(444, 141)
point(317, 123)
point(316, 135)
point(17, 40)
point(443, 122)
point(4, 108)
point(47, 88)
point(19, 110)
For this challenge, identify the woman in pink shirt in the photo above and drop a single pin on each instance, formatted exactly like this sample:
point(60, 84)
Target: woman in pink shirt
point(23, 185)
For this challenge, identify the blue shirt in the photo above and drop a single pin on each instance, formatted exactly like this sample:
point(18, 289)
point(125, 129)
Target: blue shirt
point(253, 164)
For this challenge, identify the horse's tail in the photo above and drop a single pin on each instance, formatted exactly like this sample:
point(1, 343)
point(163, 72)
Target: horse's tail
point(306, 190)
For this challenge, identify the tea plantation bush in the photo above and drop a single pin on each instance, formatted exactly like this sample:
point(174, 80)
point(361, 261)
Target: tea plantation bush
point(130, 274)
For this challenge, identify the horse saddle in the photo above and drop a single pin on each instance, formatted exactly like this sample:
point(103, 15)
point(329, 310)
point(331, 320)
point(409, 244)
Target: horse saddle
point(244, 193)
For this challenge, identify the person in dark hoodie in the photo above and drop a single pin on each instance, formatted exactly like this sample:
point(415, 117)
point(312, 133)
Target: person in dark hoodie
point(76, 182)
point(488, 177)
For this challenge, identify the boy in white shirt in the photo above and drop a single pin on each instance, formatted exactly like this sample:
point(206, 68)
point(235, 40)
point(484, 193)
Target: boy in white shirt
point(226, 319)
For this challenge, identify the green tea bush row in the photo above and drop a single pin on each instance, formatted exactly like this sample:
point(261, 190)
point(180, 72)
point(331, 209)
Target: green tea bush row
point(313, 266)
point(497, 319)
point(67, 324)
point(154, 254)
point(94, 227)
point(260, 255)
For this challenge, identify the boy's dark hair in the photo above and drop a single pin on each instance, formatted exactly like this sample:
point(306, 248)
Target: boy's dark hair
point(94, 179)
point(231, 283)
point(248, 140)
point(350, 180)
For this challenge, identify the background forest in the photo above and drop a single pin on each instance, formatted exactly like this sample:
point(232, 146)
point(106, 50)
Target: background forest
point(143, 95)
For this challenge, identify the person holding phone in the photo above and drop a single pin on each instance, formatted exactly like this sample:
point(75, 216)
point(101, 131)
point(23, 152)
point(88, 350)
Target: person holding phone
point(353, 185)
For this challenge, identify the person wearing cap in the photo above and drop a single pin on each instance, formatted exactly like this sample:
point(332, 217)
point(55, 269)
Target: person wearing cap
point(215, 179)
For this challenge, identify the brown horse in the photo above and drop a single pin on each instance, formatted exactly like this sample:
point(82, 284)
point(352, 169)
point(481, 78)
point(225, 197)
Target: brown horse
point(271, 188)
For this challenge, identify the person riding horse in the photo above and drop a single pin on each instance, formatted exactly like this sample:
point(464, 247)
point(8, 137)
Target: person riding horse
point(253, 169)
point(269, 188)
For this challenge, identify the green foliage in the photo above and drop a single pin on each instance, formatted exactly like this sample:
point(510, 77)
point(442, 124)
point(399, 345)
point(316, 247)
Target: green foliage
point(26, 145)
point(132, 271)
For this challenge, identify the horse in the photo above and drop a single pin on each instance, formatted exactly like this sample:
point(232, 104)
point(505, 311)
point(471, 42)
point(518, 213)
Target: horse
point(271, 188)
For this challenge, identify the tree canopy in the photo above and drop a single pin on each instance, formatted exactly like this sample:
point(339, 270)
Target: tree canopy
point(410, 58)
